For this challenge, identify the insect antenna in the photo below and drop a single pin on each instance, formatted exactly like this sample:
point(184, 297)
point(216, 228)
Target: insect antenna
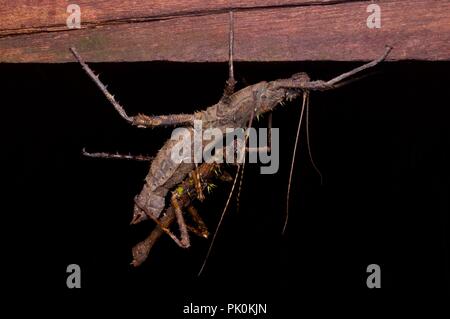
point(309, 144)
point(238, 196)
point(305, 99)
point(220, 221)
point(250, 122)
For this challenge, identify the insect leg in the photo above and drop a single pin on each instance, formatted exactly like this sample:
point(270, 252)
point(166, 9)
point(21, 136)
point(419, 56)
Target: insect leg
point(231, 82)
point(184, 242)
point(197, 183)
point(339, 80)
point(141, 250)
point(199, 228)
point(359, 69)
point(139, 120)
point(320, 85)
point(142, 158)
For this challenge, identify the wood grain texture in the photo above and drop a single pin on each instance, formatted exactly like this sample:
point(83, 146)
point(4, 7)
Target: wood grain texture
point(197, 31)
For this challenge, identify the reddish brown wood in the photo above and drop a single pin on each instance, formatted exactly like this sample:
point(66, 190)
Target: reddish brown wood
point(196, 30)
point(20, 16)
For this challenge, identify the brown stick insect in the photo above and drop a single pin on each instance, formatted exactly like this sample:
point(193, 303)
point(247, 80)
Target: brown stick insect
point(186, 182)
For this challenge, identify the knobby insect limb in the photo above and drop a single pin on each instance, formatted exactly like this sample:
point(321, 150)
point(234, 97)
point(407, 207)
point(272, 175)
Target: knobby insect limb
point(320, 85)
point(199, 228)
point(141, 158)
point(184, 242)
point(305, 101)
point(363, 67)
point(231, 82)
point(139, 120)
point(101, 86)
point(197, 183)
point(142, 120)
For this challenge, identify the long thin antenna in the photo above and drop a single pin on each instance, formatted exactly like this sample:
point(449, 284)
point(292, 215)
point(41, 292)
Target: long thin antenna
point(250, 122)
point(305, 98)
point(220, 221)
point(309, 144)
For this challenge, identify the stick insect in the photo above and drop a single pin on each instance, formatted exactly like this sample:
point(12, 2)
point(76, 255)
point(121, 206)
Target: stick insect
point(186, 182)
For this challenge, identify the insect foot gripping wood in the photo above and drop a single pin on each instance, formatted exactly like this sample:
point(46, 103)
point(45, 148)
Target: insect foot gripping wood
point(186, 181)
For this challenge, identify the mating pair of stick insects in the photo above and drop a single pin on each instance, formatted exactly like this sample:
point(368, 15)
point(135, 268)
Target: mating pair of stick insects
point(187, 181)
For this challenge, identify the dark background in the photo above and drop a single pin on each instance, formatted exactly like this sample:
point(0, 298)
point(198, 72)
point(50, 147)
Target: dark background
point(382, 144)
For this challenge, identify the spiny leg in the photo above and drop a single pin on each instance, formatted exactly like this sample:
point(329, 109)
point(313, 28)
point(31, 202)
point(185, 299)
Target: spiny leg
point(184, 242)
point(142, 158)
point(336, 82)
point(340, 78)
point(199, 228)
point(197, 183)
point(139, 120)
point(231, 82)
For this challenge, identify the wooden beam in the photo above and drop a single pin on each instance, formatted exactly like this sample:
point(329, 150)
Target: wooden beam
point(197, 31)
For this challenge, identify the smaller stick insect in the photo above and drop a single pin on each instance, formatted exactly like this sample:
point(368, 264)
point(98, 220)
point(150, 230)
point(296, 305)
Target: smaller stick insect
point(234, 109)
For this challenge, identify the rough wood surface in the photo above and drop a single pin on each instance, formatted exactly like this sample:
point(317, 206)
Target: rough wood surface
point(196, 30)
